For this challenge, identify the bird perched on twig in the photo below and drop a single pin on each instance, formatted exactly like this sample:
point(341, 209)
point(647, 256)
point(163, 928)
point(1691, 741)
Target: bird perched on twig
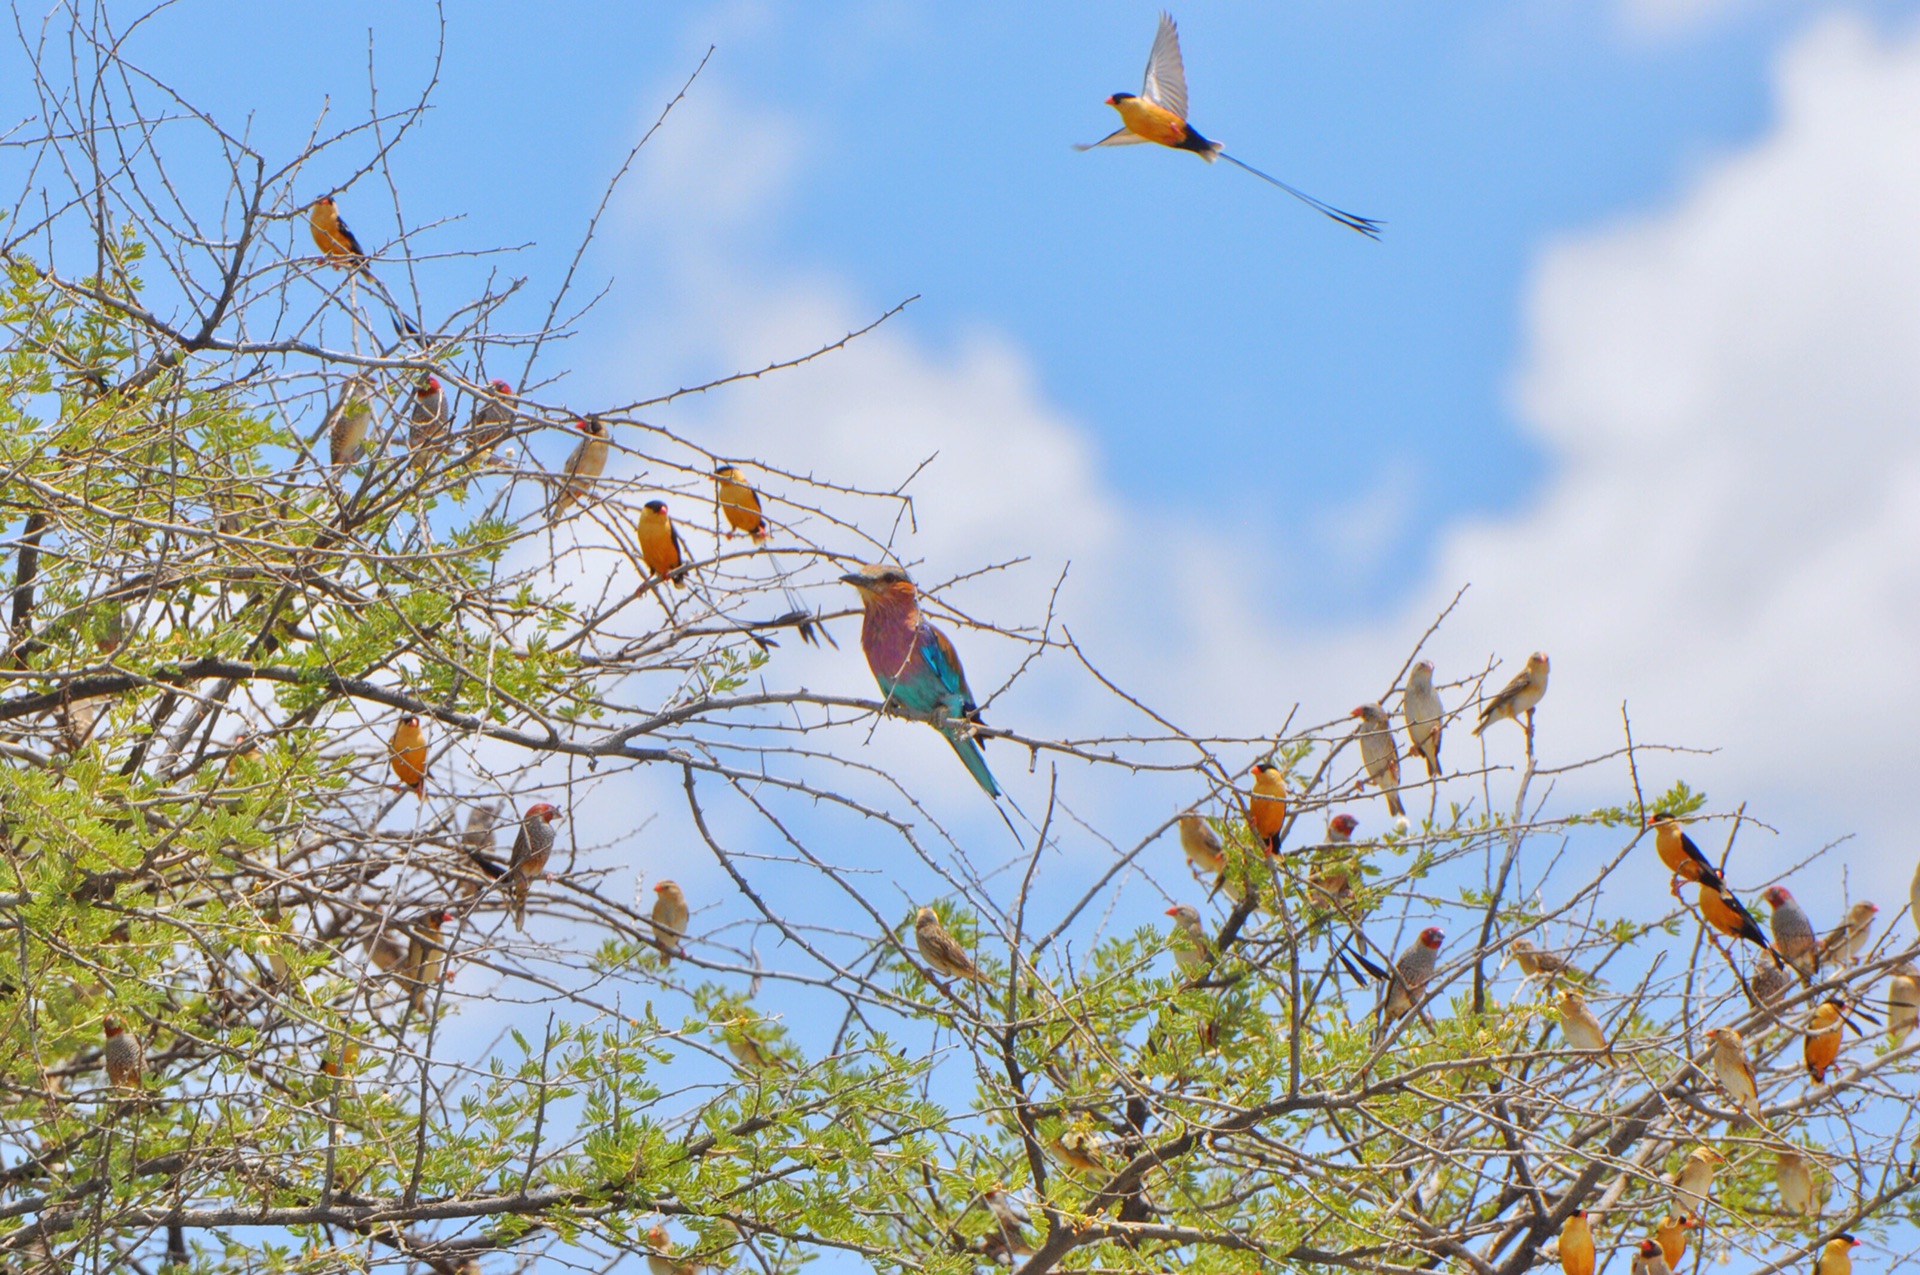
point(1407, 981)
point(1517, 699)
point(1535, 963)
point(1677, 851)
point(583, 468)
point(385, 950)
point(1010, 1219)
point(1722, 909)
point(1849, 938)
point(1267, 806)
point(124, 1056)
point(740, 504)
point(1903, 1002)
point(426, 960)
point(916, 665)
point(941, 950)
point(1731, 1069)
point(531, 847)
point(1380, 754)
point(661, 548)
point(1202, 845)
point(1079, 1149)
point(1582, 1029)
point(669, 920)
point(1836, 1256)
point(1576, 1244)
point(1825, 1032)
point(428, 420)
point(347, 421)
point(750, 1051)
point(1425, 715)
point(1192, 949)
point(1158, 113)
point(407, 755)
point(493, 418)
point(1671, 1236)
point(1794, 1176)
point(1694, 1179)
point(1793, 935)
point(1649, 1260)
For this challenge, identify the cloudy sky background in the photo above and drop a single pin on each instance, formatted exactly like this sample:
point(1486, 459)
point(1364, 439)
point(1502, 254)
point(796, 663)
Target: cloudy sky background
point(1634, 360)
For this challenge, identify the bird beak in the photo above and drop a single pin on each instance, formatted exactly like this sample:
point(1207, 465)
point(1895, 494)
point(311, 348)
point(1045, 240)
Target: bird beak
point(857, 580)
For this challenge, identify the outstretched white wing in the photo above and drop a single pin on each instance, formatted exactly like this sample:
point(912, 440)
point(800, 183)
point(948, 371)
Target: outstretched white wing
point(1166, 78)
point(1119, 137)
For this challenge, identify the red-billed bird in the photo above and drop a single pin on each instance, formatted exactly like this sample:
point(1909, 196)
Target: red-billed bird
point(1793, 935)
point(1158, 113)
point(529, 858)
point(660, 545)
point(1722, 909)
point(916, 664)
point(336, 243)
point(1267, 807)
point(407, 754)
point(583, 466)
point(492, 418)
point(124, 1055)
point(1407, 982)
point(1677, 851)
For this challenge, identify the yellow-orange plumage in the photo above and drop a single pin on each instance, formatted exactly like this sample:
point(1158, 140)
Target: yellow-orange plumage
point(408, 756)
point(660, 546)
point(331, 236)
point(1823, 1039)
point(739, 503)
point(1267, 806)
point(1576, 1245)
point(1151, 121)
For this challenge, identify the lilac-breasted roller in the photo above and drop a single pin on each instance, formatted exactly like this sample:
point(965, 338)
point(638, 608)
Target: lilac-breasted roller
point(916, 665)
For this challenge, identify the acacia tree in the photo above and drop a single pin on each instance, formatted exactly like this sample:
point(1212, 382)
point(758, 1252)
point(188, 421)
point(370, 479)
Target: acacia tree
point(354, 1059)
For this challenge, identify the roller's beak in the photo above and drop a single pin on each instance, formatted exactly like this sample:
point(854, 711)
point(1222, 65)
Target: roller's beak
point(857, 580)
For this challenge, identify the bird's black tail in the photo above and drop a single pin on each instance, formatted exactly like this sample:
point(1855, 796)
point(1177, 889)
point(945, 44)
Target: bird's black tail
point(1365, 225)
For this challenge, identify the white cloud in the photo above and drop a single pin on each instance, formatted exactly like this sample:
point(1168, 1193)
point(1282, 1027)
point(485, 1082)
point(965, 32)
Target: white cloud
point(1730, 536)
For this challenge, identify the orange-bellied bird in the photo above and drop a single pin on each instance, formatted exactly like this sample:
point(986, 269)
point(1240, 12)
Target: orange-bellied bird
point(1267, 808)
point(660, 544)
point(1721, 908)
point(1158, 113)
point(1677, 851)
point(340, 246)
point(916, 665)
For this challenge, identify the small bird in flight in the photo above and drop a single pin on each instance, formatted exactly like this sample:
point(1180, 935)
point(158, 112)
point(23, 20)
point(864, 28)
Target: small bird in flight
point(1158, 113)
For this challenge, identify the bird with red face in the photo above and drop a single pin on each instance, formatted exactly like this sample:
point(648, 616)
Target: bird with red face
point(407, 754)
point(492, 418)
point(1793, 935)
point(125, 1057)
point(583, 468)
point(531, 848)
point(427, 420)
point(1407, 981)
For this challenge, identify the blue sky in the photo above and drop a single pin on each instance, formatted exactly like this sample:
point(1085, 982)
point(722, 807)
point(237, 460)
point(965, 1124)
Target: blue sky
point(1230, 351)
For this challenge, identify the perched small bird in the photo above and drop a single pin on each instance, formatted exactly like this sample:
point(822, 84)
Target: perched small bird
point(1769, 983)
point(1421, 706)
point(1380, 754)
point(1412, 971)
point(1158, 113)
point(1192, 948)
point(1731, 1069)
point(740, 504)
point(336, 243)
point(1913, 897)
point(125, 1057)
point(1903, 1002)
point(1079, 1149)
point(386, 951)
point(669, 920)
point(660, 545)
point(1824, 1033)
point(407, 755)
point(1694, 1180)
point(1849, 938)
point(428, 420)
point(1649, 1260)
point(1518, 698)
point(1794, 1176)
point(1836, 1257)
point(492, 418)
point(1535, 963)
point(1576, 1244)
point(1267, 807)
point(752, 1053)
point(1722, 909)
point(1793, 935)
point(1671, 1236)
point(1012, 1220)
point(1340, 829)
point(940, 950)
point(477, 838)
point(1582, 1029)
point(583, 468)
point(531, 847)
point(347, 421)
point(426, 960)
point(1202, 845)
point(660, 1259)
point(1677, 851)
point(916, 665)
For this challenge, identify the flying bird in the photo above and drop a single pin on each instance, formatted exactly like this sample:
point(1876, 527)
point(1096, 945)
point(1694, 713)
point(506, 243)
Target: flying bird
point(1380, 754)
point(916, 665)
point(1422, 708)
point(1158, 113)
point(740, 503)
